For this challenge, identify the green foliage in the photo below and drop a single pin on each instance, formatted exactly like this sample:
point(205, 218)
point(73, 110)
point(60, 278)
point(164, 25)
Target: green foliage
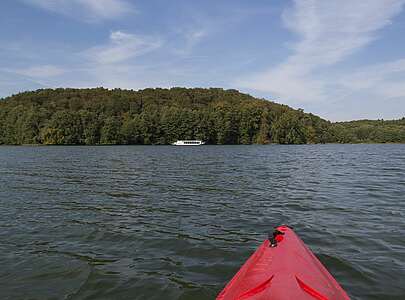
point(162, 116)
point(370, 131)
point(64, 128)
point(289, 128)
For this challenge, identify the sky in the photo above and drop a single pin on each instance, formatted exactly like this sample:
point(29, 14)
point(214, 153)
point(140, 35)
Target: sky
point(339, 59)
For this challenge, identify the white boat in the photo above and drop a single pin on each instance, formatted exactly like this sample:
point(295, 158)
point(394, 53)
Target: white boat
point(188, 143)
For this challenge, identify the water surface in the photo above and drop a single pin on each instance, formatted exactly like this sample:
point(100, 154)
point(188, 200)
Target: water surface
point(163, 222)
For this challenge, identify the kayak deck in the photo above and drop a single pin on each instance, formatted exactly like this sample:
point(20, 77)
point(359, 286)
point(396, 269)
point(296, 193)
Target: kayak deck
point(283, 268)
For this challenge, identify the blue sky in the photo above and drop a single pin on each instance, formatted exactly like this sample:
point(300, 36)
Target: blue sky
point(339, 59)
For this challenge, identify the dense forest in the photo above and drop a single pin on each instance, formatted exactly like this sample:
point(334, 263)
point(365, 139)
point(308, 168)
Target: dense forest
point(162, 116)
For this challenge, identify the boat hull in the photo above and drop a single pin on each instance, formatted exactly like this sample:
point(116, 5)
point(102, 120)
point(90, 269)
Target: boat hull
point(283, 268)
point(188, 143)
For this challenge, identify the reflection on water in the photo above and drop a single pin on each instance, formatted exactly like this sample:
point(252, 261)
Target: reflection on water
point(157, 222)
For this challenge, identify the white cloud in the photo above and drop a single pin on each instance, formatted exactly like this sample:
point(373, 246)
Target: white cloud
point(92, 10)
point(329, 32)
point(11, 83)
point(191, 37)
point(385, 80)
point(40, 72)
point(34, 77)
point(110, 65)
point(122, 47)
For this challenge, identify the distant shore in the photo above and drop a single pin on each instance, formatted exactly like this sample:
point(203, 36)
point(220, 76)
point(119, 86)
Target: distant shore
point(135, 145)
point(160, 116)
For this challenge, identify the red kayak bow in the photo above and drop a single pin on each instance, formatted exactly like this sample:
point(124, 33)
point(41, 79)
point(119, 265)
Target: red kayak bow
point(283, 268)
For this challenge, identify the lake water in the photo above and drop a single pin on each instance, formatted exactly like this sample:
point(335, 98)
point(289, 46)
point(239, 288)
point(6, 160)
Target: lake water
point(164, 222)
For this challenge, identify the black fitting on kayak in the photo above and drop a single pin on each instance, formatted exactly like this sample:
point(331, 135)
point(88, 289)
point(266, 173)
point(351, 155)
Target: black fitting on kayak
point(272, 239)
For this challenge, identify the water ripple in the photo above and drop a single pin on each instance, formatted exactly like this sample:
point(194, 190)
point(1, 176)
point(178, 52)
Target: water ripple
point(177, 223)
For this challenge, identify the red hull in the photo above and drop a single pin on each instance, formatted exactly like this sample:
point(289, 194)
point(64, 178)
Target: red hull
point(283, 269)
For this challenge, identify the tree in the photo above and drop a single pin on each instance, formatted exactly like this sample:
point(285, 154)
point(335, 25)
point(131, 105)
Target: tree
point(111, 131)
point(161, 116)
point(64, 128)
point(289, 129)
point(131, 130)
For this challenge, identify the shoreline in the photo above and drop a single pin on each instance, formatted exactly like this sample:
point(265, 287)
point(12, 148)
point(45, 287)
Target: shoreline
point(120, 145)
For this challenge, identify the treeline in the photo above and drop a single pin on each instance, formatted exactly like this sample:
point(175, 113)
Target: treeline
point(370, 131)
point(162, 116)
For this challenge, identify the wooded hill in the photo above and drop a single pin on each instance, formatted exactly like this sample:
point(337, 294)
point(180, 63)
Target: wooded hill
point(162, 116)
